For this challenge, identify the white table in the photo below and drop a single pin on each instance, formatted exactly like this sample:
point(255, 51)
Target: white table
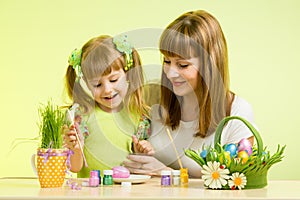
point(29, 188)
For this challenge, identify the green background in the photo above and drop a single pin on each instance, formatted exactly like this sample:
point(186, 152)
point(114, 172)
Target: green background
point(38, 36)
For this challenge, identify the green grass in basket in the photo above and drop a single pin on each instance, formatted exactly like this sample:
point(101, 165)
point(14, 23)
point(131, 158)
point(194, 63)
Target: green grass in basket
point(50, 126)
point(256, 164)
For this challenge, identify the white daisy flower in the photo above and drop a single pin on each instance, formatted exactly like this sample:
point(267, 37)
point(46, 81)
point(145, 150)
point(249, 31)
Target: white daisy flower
point(214, 177)
point(237, 180)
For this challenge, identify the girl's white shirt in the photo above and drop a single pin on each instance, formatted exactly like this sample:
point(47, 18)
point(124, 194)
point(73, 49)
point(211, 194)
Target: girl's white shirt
point(184, 138)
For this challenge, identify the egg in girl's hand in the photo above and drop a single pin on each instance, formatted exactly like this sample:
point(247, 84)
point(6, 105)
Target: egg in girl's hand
point(231, 148)
point(245, 145)
point(120, 172)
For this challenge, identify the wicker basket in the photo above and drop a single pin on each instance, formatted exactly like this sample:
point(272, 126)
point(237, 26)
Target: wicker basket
point(254, 170)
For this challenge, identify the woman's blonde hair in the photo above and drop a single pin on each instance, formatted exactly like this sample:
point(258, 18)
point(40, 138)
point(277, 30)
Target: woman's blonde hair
point(100, 57)
point(198, 34)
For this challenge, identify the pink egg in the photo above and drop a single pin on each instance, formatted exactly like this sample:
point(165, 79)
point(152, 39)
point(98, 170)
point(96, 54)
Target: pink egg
point(120, 172)
point(245, 145)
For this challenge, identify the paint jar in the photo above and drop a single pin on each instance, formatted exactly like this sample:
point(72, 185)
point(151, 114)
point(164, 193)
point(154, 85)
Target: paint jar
point(94, 179)
point(165, 178)
point(184, 177)
point(99, 175)
point(107, 177)
point(176, 177)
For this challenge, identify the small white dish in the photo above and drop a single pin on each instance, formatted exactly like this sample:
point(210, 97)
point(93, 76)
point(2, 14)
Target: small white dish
point(133, 179)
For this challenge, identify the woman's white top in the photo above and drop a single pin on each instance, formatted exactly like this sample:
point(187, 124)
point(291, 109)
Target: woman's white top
point(184, 138)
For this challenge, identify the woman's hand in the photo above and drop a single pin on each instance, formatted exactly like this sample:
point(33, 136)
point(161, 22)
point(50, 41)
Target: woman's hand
point(143, 164)
point(142, 146)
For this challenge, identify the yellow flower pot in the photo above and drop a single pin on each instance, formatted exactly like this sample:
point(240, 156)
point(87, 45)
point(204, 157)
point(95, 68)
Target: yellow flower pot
point(51, 167)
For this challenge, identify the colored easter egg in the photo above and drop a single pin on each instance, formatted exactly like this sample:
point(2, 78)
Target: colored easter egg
point(227, 160)
point(245, 145)
point(203, 154)
point(120, 172)
point(232, 149)
point(244, 156)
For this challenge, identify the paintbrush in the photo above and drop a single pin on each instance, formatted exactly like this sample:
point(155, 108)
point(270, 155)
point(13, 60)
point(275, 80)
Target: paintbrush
point(76, 134)
point(177, 155)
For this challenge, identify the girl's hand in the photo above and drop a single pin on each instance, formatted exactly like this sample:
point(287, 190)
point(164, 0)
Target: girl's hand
point(142, 146)
point(142, 164)
point(70, 139)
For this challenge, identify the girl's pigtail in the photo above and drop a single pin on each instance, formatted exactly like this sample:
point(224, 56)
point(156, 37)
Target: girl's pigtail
point(136, 80)
point(70, 80)
point(76, 92)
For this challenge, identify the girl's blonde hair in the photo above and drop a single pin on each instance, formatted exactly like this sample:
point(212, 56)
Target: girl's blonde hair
point(198, 34)
point(100, 57)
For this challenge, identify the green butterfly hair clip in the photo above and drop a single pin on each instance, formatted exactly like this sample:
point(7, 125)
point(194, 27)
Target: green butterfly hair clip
point(123, 46)
point(75, 62)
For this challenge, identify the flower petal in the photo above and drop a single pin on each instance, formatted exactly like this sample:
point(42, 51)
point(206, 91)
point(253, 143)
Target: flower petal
point(207, 168)
point(218, 183)
point(230, 183)
point(206, 176)
point(208, 181)
point(223, 181)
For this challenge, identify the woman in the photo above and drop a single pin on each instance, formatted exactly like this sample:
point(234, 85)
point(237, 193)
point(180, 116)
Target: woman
point(195, 95)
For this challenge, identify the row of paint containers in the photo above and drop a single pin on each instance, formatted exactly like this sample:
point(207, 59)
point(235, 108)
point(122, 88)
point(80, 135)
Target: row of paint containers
point(95, 178)
point(174, 178)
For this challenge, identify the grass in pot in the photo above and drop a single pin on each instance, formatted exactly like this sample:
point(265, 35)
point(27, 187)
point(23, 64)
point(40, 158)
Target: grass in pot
point(51, 156)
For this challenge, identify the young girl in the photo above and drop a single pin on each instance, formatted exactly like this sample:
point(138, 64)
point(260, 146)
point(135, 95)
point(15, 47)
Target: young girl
point(105, 79)
point(195, 95)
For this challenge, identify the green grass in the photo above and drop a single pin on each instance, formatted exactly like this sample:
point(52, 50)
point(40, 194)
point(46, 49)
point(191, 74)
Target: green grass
point(257, 164)
point(50, 125)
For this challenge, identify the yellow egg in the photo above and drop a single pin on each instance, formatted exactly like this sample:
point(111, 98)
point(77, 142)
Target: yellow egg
point(225, 155)
point(244, 156)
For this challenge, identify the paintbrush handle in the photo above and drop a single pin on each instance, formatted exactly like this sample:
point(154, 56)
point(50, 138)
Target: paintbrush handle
point(174, 147)
point(77, 137)
point(76, 133)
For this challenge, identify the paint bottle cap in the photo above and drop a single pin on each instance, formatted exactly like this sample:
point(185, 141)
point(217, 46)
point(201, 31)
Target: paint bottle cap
point(176, 172)
point(94, 173)
point(99, 172)
point(184, 171)
point(108, 172)
point(165, 172)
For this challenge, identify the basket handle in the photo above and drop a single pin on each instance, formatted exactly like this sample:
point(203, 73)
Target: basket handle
point(248, 124)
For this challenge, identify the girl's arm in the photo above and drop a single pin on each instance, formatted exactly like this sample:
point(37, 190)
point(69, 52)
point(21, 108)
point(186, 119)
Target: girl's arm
point(71, 142)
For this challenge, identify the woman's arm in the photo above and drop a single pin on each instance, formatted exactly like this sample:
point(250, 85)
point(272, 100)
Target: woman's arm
point(143, 164)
